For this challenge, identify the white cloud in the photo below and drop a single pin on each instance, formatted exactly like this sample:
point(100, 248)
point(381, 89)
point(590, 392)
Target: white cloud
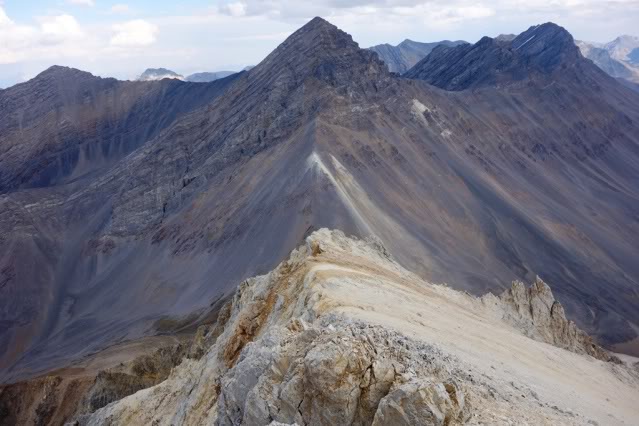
point(54, 33)
point(55, 29)
point(120, 8)
point(441, 15)
point(133, 33)
point(81, 2)
point(237, 8)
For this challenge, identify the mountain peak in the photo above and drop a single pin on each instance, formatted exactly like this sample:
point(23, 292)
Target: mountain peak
point(546, 46)
point(548, 33)
point(59, 70)
point(407, 42)
point(158, 74)
point(318, 22)
point(505, 37)
point(57, 73)
point(540, 50)
point(321, 50)
point(626, 38)
point(322, 33)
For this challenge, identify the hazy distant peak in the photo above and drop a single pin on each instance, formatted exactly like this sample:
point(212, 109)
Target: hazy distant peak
point(625, 38)
point(151, 74)
point(622, 46)
point(406, 54)
point(205, 77)
point(505, 37)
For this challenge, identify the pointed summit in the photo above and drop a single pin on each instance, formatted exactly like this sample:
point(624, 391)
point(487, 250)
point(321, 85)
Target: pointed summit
point(322, 51)
point(622, 46)
point(546, 46)
point(318, 22)
point(59, 71)
point(539, 51)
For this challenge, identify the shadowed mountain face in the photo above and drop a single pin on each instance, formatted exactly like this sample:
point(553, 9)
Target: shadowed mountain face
point(65, 123)
point(402, 57)
point(542, 50)
point(474, 188)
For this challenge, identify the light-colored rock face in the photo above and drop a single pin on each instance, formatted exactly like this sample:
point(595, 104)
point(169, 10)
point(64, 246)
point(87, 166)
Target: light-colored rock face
point(613, 57)
point(340, 334)
point(422, 402)
point(538, 315)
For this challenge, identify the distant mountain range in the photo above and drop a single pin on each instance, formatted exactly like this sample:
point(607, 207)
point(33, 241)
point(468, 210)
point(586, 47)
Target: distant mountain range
point(402, 57)
point(619, 58)
point(153, 74)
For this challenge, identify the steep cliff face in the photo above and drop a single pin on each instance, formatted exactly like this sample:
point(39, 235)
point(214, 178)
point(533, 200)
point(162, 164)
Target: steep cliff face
point(341, 334)
point(67, 124)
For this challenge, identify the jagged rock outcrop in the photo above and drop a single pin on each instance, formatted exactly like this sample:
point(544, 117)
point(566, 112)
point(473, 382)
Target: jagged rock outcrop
point(422, 402)
point(320, 340)
point(538, 315)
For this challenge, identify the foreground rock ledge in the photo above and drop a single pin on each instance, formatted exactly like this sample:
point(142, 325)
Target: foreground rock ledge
point(341, 334)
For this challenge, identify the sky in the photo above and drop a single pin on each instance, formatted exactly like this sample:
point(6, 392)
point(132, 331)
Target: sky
point(122, 38)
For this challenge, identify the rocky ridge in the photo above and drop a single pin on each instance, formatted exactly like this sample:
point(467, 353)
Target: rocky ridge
point(540, 51)
point(406, 54)
point(320, 340)
point(67, 124)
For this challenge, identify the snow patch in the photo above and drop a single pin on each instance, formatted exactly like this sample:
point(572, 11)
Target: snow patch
point(418, 109)
point(524, 43)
